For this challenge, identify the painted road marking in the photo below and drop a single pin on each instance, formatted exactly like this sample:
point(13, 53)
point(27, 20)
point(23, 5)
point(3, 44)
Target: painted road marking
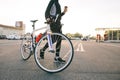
point(80, 48)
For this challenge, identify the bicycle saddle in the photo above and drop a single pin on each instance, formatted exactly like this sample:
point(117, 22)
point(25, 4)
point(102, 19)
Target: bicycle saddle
point(34, 21)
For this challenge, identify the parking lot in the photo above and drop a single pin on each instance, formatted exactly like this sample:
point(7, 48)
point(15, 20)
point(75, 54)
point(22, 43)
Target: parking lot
point(92, 61)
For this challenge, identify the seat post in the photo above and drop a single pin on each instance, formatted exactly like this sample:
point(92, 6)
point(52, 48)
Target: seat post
point(33, 25)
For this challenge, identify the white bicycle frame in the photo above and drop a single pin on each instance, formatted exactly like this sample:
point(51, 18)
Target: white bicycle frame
point(48, 36)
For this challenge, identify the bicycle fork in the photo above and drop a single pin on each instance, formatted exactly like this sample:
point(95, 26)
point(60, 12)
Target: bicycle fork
point(32, 45)
point(50, 44)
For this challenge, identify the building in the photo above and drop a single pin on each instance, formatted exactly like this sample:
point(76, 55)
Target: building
point(18, 29)
point(108, 34)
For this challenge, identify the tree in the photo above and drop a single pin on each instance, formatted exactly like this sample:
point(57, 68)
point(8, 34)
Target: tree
point(78, 35)
point(69, 35)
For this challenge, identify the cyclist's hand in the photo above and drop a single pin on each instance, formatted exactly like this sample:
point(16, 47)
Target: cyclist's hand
point(48, 19)
point(65, 9)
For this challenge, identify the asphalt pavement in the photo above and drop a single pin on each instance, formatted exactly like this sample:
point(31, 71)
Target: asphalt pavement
point(92, 61)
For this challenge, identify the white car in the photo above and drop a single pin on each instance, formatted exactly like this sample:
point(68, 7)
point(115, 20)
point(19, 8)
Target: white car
point(13, 37)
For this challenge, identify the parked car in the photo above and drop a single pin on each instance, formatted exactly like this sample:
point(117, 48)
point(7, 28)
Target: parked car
point(84, 39)
point(75, 38)
point(13, 37)
point(3, 37)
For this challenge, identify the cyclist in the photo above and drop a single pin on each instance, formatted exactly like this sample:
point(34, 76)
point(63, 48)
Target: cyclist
point(53, 15)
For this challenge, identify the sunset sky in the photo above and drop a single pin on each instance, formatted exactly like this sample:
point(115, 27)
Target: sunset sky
point(83, 16)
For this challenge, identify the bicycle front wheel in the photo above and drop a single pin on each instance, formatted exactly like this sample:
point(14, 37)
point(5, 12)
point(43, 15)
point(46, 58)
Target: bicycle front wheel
point(66, 52)
point(26, 47)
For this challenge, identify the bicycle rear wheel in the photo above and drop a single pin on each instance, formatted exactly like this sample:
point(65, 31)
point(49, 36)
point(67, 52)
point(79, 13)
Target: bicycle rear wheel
point(49, 64)
point(26, 47)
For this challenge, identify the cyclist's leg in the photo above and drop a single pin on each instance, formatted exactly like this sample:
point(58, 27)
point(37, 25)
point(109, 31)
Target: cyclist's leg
point(58, 46)
point(43, 50)
point(45, 47)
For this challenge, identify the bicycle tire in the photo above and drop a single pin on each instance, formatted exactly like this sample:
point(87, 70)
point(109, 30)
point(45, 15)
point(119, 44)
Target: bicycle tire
point(47, 64)
point(25, 47)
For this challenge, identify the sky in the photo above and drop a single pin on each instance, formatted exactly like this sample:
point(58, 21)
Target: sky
point(83, 16)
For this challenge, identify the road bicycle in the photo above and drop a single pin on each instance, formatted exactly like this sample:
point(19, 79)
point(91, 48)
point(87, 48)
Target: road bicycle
point(29, 46)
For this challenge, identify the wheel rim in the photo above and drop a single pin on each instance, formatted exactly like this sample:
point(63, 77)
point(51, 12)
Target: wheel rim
point(25, 48)
point(48, 63)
